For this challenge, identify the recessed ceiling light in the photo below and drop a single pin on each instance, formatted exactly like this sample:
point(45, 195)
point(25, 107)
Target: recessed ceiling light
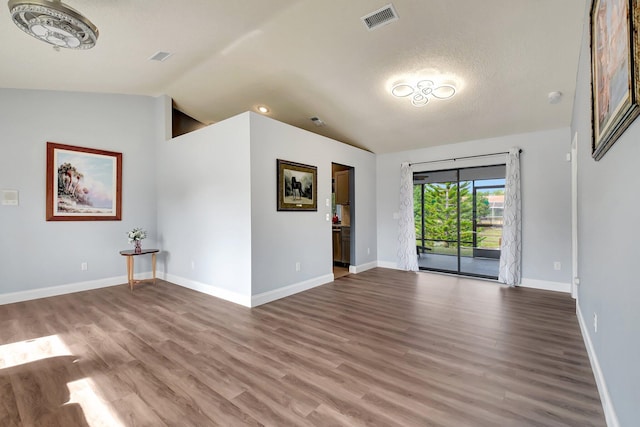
point(317, 121)
point(262, 109)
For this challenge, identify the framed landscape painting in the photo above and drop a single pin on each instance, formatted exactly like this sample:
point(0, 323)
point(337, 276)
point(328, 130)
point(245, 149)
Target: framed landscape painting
point(83, 184)
point(614, 70)
point(297, 186)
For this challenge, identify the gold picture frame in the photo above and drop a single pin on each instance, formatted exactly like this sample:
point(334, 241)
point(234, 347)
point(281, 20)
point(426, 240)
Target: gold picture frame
point(297, 186)
point(615, 83)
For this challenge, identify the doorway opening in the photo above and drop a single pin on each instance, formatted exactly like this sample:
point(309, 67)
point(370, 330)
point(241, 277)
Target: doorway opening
point(458, 219)
point(342, 218)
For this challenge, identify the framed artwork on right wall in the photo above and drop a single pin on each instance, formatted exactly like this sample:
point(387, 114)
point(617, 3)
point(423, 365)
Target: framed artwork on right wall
point(615, 82)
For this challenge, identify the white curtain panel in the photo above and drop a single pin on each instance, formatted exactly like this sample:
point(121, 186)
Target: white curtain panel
point(407, 255)
point(511, 248)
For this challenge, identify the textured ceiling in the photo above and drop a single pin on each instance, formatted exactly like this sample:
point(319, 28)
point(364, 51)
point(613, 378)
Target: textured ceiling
point(306, 58)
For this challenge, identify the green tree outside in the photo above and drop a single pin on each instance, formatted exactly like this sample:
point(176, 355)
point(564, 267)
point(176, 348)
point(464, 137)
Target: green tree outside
point(441, 213)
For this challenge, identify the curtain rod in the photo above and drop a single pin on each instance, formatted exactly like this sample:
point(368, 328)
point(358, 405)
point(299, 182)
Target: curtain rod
point(461, 158)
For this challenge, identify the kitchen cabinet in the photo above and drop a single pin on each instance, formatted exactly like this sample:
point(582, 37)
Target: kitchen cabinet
point(342, 187)
point(341, 244)
point(346, 244)
point(337, 244)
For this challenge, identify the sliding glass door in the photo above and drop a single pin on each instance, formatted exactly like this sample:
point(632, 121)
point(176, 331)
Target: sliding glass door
point(458, 219)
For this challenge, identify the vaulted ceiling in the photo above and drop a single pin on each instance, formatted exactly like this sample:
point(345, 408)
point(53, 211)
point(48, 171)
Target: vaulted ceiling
point(310, 58)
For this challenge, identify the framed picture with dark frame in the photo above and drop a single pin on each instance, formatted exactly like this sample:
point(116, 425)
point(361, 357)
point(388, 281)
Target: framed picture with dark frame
point(83, 184)
point(297, 186)
point(615, 57)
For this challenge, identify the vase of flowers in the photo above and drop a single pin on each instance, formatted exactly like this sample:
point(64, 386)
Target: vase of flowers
point(135, 236)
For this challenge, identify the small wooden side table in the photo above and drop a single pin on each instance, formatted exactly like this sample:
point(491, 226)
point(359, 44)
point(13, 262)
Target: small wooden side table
point(130, 254)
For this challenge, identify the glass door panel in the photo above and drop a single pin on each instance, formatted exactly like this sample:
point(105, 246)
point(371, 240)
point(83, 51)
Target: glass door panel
point(458, 220)
point(488, 205)
point(467, 215)
point(436, 209)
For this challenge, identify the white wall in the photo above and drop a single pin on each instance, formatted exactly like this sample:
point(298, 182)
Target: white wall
point(217, 219)
point(546, 202)
point(280, 239)
point(608, 236)
point(204, 209)
point(36, 254)
point(206, 198)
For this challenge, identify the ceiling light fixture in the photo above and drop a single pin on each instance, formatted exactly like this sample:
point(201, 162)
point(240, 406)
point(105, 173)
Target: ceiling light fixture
point(421, 92)
point(54, 22)
point(262, 109)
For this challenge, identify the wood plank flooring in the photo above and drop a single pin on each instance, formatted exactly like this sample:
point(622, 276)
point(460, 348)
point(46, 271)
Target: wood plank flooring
point(380, 348)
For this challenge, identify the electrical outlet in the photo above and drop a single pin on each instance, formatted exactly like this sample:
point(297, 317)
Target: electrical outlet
point(557, 265)
point(368, 251)
point(298, 266)
point(193, 265)
point(595, 322)
point(84, 266)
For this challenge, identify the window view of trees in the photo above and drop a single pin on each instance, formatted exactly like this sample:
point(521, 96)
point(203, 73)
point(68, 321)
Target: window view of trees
point(458, 218)
point(441, 213)
point(439, 228)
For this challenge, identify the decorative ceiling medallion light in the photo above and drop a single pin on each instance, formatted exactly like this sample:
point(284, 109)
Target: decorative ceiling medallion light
point(422, 91)
point(54, 22)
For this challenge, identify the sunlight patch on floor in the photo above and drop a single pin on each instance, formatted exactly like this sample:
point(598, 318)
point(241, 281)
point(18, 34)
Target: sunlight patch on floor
point(83, 392)
point(22, 352)
point(97, 411)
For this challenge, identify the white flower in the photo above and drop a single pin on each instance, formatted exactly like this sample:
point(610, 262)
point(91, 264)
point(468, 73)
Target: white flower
point(136, 234)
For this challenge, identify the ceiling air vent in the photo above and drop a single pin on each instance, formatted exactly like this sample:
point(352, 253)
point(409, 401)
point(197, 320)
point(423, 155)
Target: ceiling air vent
point(160, 56)
point(380, 17)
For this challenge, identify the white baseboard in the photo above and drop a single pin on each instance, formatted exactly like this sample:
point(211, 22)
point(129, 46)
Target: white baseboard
point(605, 398)
point(215, 291)
point(66, 289)
point(269, 296)
point(355, 269)
point(526, 283)
point(546, 285)
point(387, 264)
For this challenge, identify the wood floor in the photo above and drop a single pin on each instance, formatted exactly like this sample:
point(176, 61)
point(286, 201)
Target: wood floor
point(380, 348)
point(339, 271)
